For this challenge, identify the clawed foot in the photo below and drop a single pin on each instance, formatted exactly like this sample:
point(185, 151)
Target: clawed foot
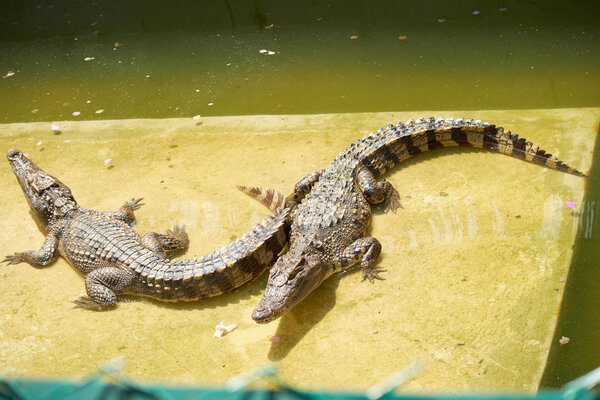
point(13, 259)
point(373, 273)
point(135, 204)
point(392, 203)
point(88, 304)
point(178, 233)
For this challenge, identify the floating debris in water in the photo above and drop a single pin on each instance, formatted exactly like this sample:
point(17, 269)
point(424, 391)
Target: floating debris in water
point(117, 44)
point(26, 155)
point(275, 339)
point(269, 26)
point(196, 116)
point(76, 113)
point(107, 161)
point(476, 12)
point(211, 103)
point(100, 111)
point(8, 74)
point(54, 127)
point(353, 37)
point(440, 20)
point(39, 143)
point(502, 9)
point(279, 106)
point(263, 51)
point(570, 204)
point(402, 37)
point(564, 340)
point(221, 329)
point(34, 111)
point(89, 58)
point(270, 53)
point(460, 343)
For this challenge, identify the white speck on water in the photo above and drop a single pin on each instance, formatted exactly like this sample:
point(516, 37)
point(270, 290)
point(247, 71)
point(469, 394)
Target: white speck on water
point(196, 116)
point(476, 12)
point(39, 143)
point(89, 101)
point(440, 20)
point(262, 51)
point(107, 161)
point(228, 64)
point(502, 9)
point(26, 154)
point(76, 113)
point(89, 58)
point(55, 127)
point(100, 111)
point(147, 76)
point(271, 53)
point(197, 90)
point(210, 104)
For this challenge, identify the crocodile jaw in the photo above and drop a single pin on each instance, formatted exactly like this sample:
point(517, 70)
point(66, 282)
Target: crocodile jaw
point(291, 279)
point(48, 197)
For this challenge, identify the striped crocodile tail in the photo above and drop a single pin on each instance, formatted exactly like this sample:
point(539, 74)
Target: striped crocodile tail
point(272, 199)
point(395, 144)
point(226, 269)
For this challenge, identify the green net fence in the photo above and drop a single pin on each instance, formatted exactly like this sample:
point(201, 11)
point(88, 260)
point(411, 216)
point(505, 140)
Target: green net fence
point(108, 384)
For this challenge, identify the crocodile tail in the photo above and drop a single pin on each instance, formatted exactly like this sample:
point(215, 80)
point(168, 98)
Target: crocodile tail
point(224, 270)
point(397, 143)
point(272, 199)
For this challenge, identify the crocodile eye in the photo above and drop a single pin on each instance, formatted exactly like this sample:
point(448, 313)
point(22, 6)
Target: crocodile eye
point(297, 268)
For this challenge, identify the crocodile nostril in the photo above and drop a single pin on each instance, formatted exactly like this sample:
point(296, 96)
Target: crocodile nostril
point(12, 153)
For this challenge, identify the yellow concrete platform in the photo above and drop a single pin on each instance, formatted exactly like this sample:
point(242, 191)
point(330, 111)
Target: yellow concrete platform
point(476, 259)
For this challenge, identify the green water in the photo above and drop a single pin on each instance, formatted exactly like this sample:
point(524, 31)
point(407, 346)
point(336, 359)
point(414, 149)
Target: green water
point(110, 60)
point(173, 61)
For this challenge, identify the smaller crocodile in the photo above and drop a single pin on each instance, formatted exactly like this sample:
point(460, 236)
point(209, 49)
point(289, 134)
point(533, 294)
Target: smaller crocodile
point(331, 208)
point(115, 260)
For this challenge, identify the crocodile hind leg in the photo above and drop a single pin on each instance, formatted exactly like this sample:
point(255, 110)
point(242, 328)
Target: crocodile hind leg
point(364, 251)
point(102, 286)
point(304, 186)
point(378, 192)
point(158, 243)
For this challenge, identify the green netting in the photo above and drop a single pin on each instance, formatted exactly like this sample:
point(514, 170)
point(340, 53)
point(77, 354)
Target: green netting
point(107, 385)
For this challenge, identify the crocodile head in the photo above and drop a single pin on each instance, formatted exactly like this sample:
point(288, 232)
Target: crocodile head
point(292, 278)
point(48, 197)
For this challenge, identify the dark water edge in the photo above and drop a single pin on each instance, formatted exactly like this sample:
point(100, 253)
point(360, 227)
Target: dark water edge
point(579, 318)
point(164, 59)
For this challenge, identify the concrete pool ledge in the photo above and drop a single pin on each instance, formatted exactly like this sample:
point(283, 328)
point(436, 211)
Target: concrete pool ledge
point(477, 258)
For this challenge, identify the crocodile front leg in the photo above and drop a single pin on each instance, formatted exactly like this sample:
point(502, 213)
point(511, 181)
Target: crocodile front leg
point(378, 192)
point(102, 286)
point(125, 213)
point(39, 258)
point(364, 251)
point(176, 239)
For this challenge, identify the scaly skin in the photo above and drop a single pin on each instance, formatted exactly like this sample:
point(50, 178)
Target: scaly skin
point(331, 208)
point(115, 260)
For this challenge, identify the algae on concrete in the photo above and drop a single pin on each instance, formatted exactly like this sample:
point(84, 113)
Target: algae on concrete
point(476, 259)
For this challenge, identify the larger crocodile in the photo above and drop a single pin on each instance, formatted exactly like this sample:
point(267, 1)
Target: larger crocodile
point(334, 205)
point(115, 260)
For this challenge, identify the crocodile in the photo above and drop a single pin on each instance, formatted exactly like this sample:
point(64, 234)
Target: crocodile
point(331, 208)
point(115, 260)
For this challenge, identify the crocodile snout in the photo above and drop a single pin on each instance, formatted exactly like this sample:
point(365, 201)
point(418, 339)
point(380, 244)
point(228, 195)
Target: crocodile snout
point(262, 314)
point(12, 154)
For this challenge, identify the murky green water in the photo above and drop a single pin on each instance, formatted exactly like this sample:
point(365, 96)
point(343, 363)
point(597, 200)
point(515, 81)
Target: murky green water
point(473, 259)
point(192, 58)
